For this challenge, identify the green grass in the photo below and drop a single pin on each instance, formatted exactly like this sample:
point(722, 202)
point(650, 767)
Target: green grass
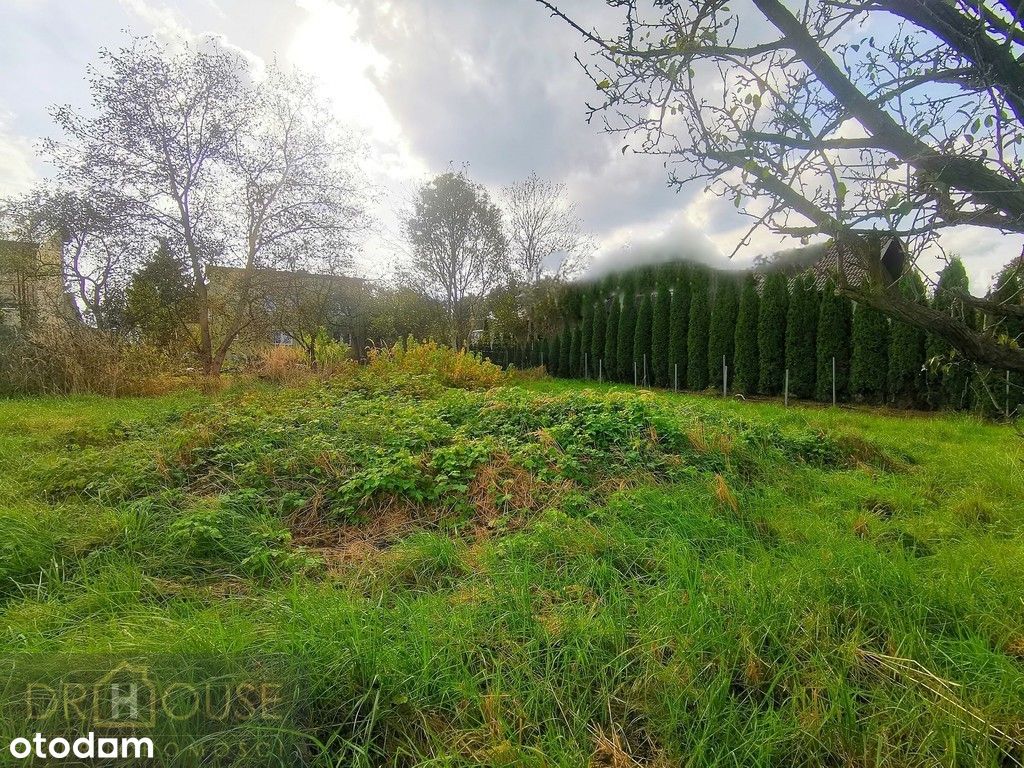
point(546, 574)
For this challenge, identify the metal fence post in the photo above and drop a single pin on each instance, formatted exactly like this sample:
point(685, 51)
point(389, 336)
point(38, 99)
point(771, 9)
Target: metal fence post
point(833, 382)
point(725, 378)
point(675, 376)
point(634, 372)
point(785, 395)
point(645, 369)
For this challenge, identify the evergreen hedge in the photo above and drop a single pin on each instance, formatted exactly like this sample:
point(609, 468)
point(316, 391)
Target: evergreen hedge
point(869, 355)
point(801, 332)
point(949, 374)
point(642, 338)
point(834, 318)
point(600, 323)
point(586, 332)
point(697, 331)
point(722, 328)
point(771, 334)
point(679, 317)
point(747, 362)
point(627, 330)
point(610, 365)
point(660, 336)
point(906, 352)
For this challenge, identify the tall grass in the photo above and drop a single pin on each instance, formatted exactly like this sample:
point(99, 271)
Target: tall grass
point(537, 575)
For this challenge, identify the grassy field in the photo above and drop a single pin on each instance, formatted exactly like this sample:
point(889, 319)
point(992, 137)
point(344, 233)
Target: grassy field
point(542, 574)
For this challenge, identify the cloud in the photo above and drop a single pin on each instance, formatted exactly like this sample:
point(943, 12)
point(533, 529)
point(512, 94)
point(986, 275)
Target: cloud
point(674, 240)
point(17, 172)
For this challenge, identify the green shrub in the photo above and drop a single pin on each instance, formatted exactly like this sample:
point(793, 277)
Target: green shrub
point(678, 322)
point(610, 364)
point(771, 333)
point(801, 333)
point(642, 339)
point(659, 363)
point(869, 358)
point(906, 352)
point(624, 358)
point(747, 366)
point(722, 329)
point(697, 331)
point(833, 344)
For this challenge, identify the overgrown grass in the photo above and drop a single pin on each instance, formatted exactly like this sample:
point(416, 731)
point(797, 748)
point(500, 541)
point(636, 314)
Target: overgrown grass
point(538, 574)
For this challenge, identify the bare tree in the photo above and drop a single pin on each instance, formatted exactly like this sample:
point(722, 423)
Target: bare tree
point(547, 243)
point(228, 170)
point(546, 237)
point(457, 242)
point(814, 124)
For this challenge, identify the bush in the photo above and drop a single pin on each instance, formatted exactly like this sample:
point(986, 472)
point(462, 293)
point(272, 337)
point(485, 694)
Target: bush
point(771, 334)
point(801, 330)
point(662, 375)
point(73, 359)
point(722, 330)
point(624, 358)
point(642, 340)
point(610, 364)
point(678, 321)
point(747, 365)
point(869, 361)
point(454, 368)
point(282, 364)
point(834, 319)
point(697, 332)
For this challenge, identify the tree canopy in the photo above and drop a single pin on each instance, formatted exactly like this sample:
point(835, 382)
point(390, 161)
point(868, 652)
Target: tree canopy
point(831, 120)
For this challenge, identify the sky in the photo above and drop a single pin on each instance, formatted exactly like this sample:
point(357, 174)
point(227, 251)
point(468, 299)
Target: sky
point(432, 85)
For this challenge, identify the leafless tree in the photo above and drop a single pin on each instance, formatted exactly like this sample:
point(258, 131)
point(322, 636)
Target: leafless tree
point(547, 243)
point(230, 169)
point(458, 245)
point(546, 237)
point(814, 123)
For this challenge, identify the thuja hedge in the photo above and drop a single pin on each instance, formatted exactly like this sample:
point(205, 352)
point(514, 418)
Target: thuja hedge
point(684, 318)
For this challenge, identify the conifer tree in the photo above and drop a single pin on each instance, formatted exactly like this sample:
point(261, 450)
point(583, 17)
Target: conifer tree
point(906, 351)
point(869, 354)
point(627, 331)
point(551, 359)
point(697, 331)
point(660, 335)
point(834, 318)
point(643, 336)
point(722, 329)
point(610, 366)
point(949, 374)
point(583, 358)
point(574, 352)
point(1009, 289)
point(771, 334)
point(747, 368)
point(679, 317)
point(564, 343)
point(801, 330)
point(599, 322)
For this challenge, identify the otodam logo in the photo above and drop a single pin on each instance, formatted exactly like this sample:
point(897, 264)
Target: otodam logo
point(117, 714)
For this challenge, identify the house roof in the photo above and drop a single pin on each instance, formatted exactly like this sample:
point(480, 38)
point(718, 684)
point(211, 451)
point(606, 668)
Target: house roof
point(274, 275)
point(824, 261)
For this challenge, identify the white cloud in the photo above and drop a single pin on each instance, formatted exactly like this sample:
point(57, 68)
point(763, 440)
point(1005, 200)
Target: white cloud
point(17, 172)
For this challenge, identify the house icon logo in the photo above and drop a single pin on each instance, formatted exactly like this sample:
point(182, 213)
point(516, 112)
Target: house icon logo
point(125, 697)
